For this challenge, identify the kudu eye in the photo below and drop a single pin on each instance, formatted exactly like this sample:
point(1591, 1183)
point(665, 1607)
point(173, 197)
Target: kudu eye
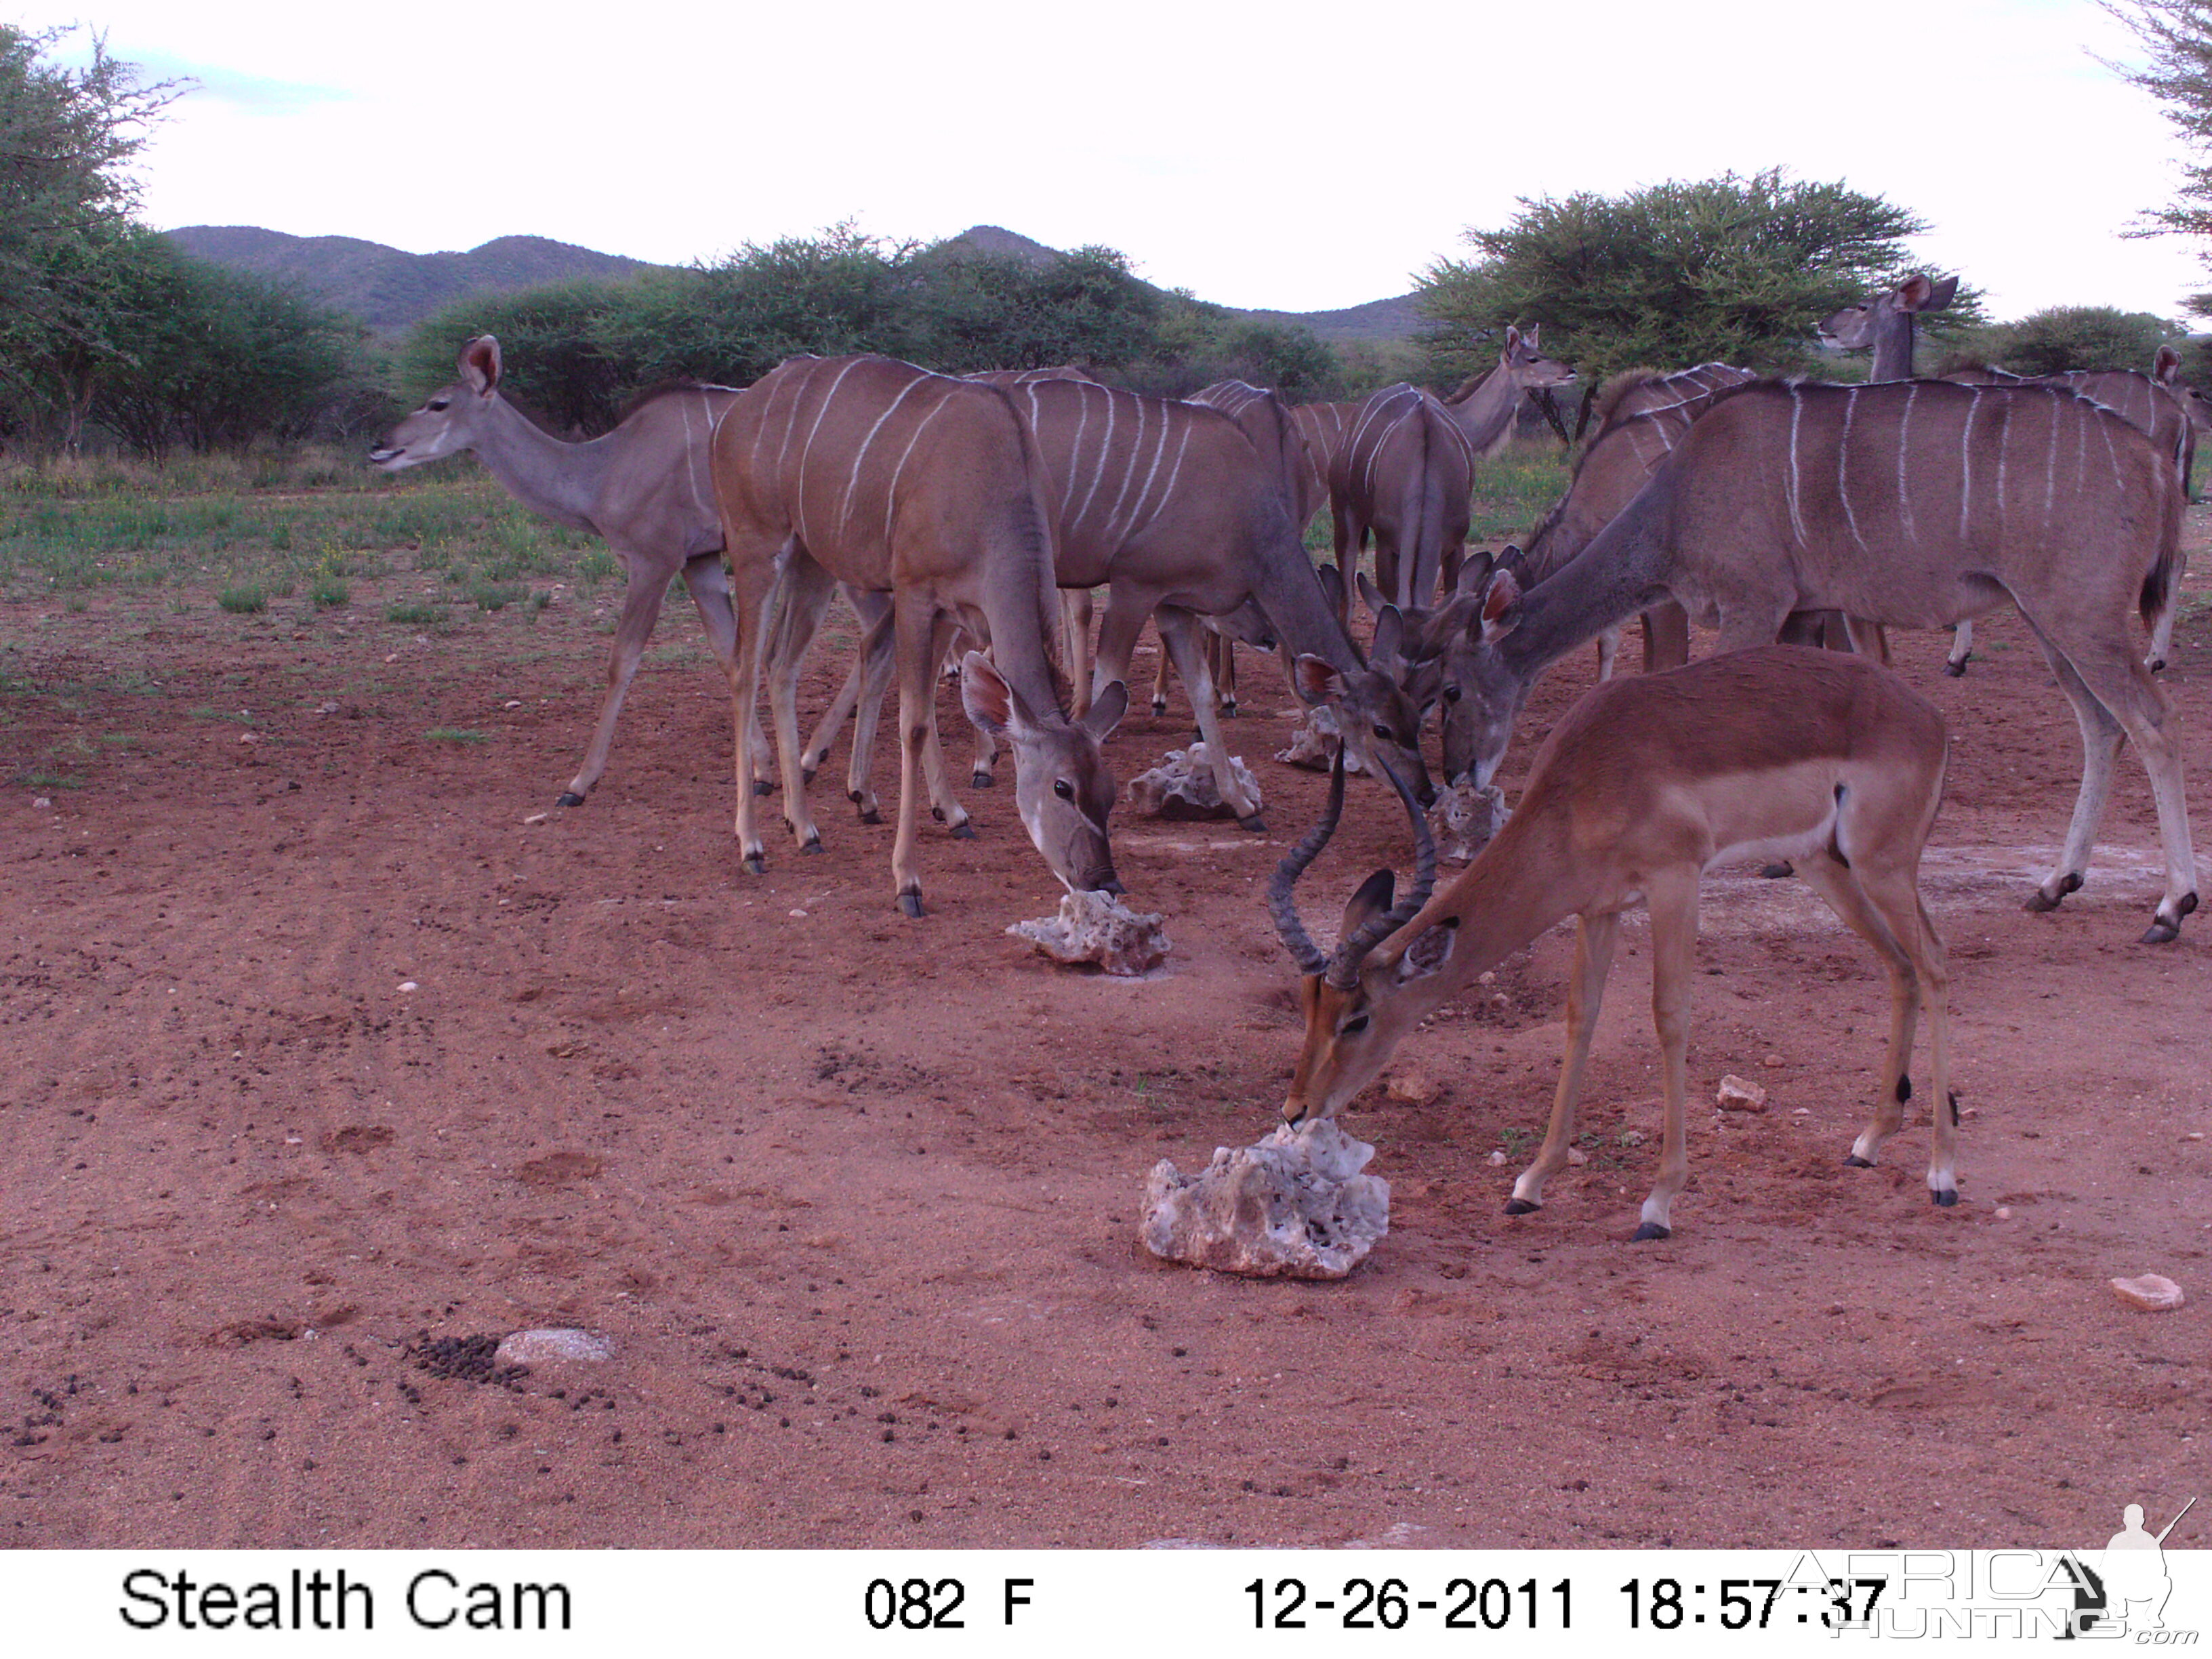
point(1383, 733)
point(1354, 1026)
point(435, 404)
point(1452, 694)
point(1063, 788)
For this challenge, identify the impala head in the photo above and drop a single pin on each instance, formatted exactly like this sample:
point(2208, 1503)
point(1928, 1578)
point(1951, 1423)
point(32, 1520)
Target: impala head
point(1856, 326)
point(1357, 1006)
point(1524, 361)
point(1480, 696)
point(1061, 787)
point(450, 417)
point(2166, 369)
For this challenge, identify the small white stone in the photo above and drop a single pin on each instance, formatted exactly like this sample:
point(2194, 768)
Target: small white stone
point(43, 803)
point(2003, 1212)
point(1415, 1088)
point(514, 702)
point(1487, 976)
point(406, 985)
point(537, 817)
point(1496, 1160)
point(249, 737)
point(551, 1346)
point(1739, 1095)
point(1771, 1060)
point(1576, 1154)
point(2152, 1292)
point(796, 915)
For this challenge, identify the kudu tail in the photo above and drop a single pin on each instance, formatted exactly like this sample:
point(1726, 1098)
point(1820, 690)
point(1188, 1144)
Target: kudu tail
point(2161, 587)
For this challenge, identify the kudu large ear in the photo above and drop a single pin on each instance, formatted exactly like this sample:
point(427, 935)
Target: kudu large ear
point(1389, 633)
point(1313, 679)
point(1501, 602)
point(480, 365)
point(1370, 595)
point(1513, 339)
point(1373, 899)
point(1941, 294)
point(1105, 711)
point(1331, 578)
point(2166, 367)
point(990, 701)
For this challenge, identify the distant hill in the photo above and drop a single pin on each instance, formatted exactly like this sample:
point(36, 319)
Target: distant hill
point(390, 290)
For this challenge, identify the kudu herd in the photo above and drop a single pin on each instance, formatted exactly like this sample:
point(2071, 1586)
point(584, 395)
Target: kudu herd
point(987, 510)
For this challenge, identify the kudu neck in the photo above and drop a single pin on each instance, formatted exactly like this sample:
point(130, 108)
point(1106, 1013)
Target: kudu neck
point(1613, 578)
point(1892, 346)
point(1483, 413)
point(560, 480)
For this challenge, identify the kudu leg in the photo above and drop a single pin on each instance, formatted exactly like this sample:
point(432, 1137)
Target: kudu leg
point(1221, 657)
point(1665, 636)
point(2161, 627)
point(1962, 647)
point(917, 640)
point(1608, 653)
point(873, 611)
point(1594, 938)
point(806, 589)
point(1075, 647)
point(944, 805)
point(646, 585)
point(710, 585)
point(1673, 897)
point(751, 587)
point(1179, 631)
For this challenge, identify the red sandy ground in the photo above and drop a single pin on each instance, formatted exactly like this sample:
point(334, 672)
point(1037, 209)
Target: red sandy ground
point(857, 1196)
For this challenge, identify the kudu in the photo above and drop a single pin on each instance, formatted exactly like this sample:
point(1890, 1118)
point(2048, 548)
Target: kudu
point(1913, 503)
point(1403, 475)
point(894, 480)
point(644, 486)
point(2166, 408)
point(1181, 512)
point(1643, 785)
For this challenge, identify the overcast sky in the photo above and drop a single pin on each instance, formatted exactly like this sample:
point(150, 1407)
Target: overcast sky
point(1283, 154)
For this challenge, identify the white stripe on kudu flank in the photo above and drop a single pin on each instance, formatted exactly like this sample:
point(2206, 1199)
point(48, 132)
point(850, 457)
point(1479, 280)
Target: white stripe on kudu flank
point(1903, 495)
point(1966, 458)
point(1842, 464)
point(2105, 430)
point(891, 489)
point(2051, 457)
point(2004, 450)
point(852, 479)
point(1128, 466)
point(1796, 408)
point(799, 489)
point(1167, 493)
point(1097, 472)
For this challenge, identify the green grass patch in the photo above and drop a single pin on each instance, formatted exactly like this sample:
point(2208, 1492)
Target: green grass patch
point(329, 593)
point(247, 599)
point(456, 734)
point(238, 717)
point(41, 777)
point(415, 616)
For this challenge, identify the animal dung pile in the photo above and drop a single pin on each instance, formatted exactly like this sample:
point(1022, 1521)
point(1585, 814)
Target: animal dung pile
point(1182, 788)
point(1295, 1206)
point(1315, 741)
point(1098, 928)
point(2152, 1292)
point(1464, 819)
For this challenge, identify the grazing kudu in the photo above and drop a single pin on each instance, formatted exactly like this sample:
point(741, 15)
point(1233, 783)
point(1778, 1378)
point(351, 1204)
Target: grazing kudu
point(894, 480)
point(1641, 787)
point(1913, 503)
point(1403, 474)
point(644, 486)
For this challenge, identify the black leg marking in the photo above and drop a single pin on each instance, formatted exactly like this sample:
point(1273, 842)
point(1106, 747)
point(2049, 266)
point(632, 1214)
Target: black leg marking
point(871, 816)
point(1904, 1088)
point(1649, 1230)
point(1954, 1107)
point(806, 774)
point(937, 812)
point(2188, 905)
point(569, 798)
point(811, 844)
point(1956, 671)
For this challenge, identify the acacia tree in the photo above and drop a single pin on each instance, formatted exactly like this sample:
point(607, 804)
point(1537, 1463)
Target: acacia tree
point(2176, 36)
point(1736, 268)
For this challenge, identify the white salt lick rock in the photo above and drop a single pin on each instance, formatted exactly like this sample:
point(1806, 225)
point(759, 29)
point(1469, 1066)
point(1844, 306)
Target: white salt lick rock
point(2151, 1292)
point(546, 1347)
point(1182, 788)
point(1295, 1206)
point(1098, 928)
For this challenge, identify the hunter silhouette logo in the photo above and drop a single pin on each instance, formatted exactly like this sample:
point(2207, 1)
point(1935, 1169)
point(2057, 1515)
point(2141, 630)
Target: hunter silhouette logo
point(2135, 1582)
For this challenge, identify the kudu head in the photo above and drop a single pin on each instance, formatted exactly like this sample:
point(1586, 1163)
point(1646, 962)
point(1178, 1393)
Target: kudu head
point(2166, 369)
point(1400, 645)
point(1062, 787)
point(1886, 318)
point(1354, 1017)
point(1524, 359)
point(1379, 723)
point(1479, 693)
point(451, 417)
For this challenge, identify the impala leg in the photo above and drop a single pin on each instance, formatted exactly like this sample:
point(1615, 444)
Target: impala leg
point(1594, 938)
point(1179, 631)
point(1673, 897)
point(1962, 647)
point(806, 589)
point(1160, 676)
point(1846, 892)
point(1075, 652)
point(646, 585)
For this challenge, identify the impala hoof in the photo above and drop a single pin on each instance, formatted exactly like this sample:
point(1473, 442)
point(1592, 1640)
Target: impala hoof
point(1955, 671)
point(1159, 706)
point(1853, 1161)
point(1649, 1230)
point(1777, 872)
point(911, 903)
point(1256, 823)
point(762, 786)
point(1520, 1206)
point(756, 864)
point(1945, 1200)
point(2040, 902)
point(1229, 711)
point(569, 798)
point(963, 830)
point(981, 780)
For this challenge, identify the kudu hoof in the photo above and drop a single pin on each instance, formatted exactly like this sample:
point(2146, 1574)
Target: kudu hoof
point(911, 903)
point(811, 844)
point(1946, 1200)
point(762, 786)
point(1256, 823)
point(1159, 706)
point(806, 774)
point(937, 812)
point(1520, 1206)
point(2160, 932)
point(2040, 902)
point(1229, 711)
point(1955, 671)
point(2158, 665)
point(756, 864)
point(569, 798)
point(1649, 1230)
point(1780, 871)
point(1853, 1161)
point(981, 780)
point(963, 830)
point(871, 815)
